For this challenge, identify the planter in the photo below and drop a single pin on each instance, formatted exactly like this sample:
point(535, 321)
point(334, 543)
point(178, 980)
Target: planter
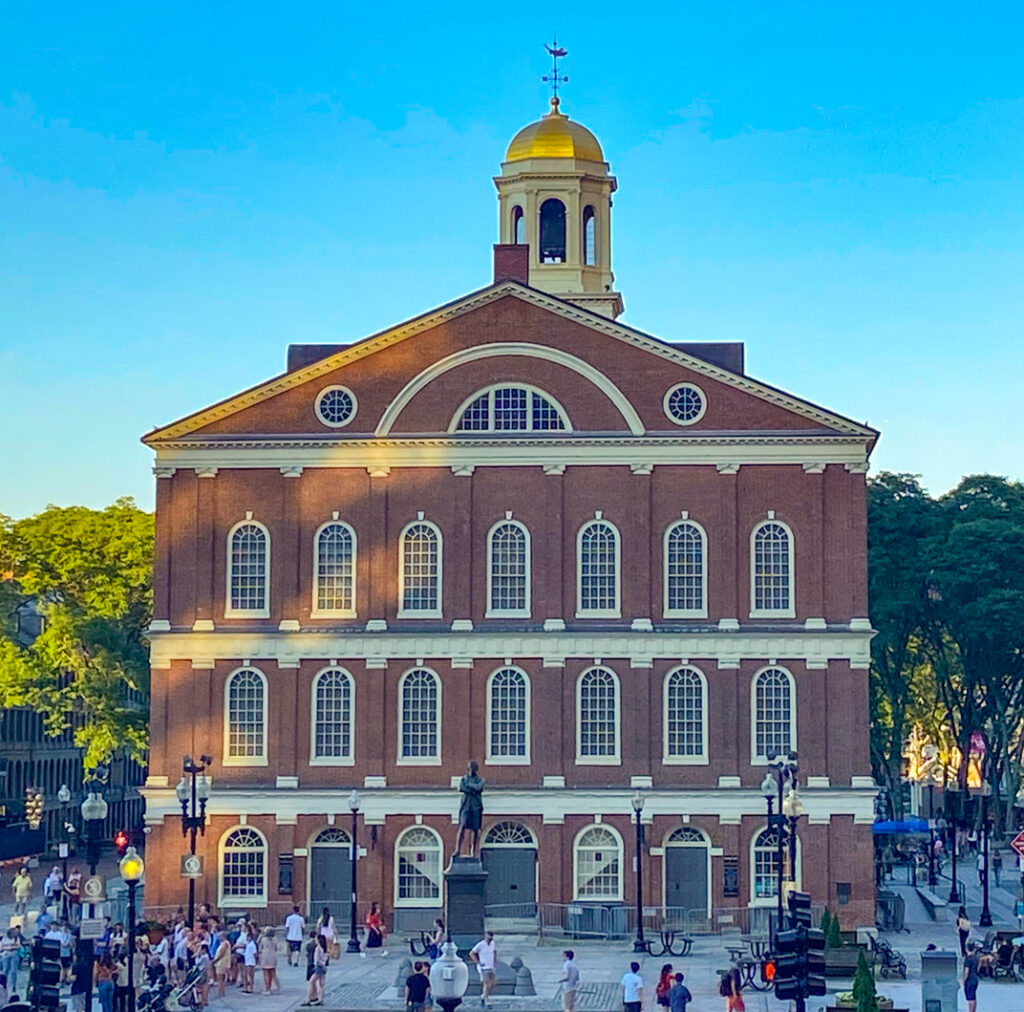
point(884, 1004)
point(843, 962)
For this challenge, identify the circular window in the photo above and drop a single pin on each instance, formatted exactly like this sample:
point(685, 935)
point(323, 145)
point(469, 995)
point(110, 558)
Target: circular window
point(685, 404)
point(336, 406)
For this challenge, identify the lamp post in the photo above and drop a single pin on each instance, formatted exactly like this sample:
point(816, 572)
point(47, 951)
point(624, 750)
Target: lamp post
point(938, 829)
point(985, 920)
point(94, 813)
point(64, 848)
point(768, 787)
point(639, 944)
point(192, 795)
point(449, 977)
point(353, 938)
point(131, 867)
point(792, 809)
point(954, 888)
point(782, 769)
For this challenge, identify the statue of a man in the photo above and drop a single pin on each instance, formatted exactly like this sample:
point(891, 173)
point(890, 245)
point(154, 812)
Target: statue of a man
point(471, 811)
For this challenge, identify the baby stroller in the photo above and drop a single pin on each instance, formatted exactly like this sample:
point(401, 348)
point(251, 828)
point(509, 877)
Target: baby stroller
point(188, 993)
point(153, 998)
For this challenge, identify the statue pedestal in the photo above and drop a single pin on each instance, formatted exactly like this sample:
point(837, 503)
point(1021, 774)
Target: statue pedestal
point(464, 892)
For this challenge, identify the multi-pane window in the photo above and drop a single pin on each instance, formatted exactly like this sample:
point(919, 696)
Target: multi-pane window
point(335, 570)
point(509, 570)
point(418, 868)
point(248, 569)
point(419, 724)
point(685, 725)
point(598, 569)
point(765, 861)
point(598, 865)
point(597, 716)
point(243, 875)
point(421, 569)
point(773, 731)
point(685, 590)
point(511, 409)
point(245, 717)
point(332, 715)
point(772, 569)
point(508, 716)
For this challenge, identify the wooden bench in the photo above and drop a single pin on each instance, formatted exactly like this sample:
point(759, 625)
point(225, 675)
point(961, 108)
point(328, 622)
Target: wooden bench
point(935, 905)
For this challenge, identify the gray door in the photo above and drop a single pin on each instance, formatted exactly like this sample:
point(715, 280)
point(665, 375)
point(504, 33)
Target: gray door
point(330, 879)
point(686, 877)
point(511, 878)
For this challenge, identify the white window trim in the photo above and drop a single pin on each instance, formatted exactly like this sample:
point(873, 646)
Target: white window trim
point(314, 759)
point(314, 611)
point(426, 612)
point(615, 612)
point(230, 612)
point(326, 390)
point(756, 612)
point(671, 417)
point(249, 760)
point(692, 845)
point(688, 760)
point(769, 901)
point(598, 760)
point(702, 611)
point(504, 760)
point(575, 866)
point(241, 901)
point(489, 390)
point(417, 901)
point(420, 760)
point(762, 760)
point(509, 612)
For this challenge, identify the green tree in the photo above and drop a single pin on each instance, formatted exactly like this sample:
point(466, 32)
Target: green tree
point(864, 993)
point(88, 573)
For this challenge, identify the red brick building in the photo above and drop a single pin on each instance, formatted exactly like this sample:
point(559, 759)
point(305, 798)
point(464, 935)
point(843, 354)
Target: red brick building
point(515, 530)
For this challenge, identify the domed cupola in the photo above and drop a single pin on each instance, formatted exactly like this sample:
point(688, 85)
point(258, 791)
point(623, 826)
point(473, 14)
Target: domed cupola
point(554, 194)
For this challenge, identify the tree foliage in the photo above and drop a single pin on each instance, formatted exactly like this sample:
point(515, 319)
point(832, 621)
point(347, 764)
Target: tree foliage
point(864, 993)
point(88, 573)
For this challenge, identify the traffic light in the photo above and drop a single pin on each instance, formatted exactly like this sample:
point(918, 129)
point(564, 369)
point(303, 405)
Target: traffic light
point(33, 807)
point(768, 970)
point(788, 965)
point(44, 980)
point(799, 910)
point(815, 962)
point(121, 841)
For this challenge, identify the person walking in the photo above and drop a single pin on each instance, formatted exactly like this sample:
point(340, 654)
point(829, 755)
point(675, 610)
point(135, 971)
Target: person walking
point(325, 927)
point(997, 865)
point(570, 981)
point(104, 975)
point(376, 930)
point(664, 985)
point(268, 961)
point(10, 958)
point(971, 962)
point(632, 989)
point(417, 988)
point(485, 955)
point(436, 939)
point(678, 995)
point(21, 887)
point(318, 978)
point(731, 989)
point(963, 930)
point(294, 932)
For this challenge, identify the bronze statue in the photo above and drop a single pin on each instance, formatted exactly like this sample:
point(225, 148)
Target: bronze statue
point(471, 810)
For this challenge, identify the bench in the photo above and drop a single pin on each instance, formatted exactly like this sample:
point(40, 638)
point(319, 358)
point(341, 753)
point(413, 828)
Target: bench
point(935, 905)
point(668, 943)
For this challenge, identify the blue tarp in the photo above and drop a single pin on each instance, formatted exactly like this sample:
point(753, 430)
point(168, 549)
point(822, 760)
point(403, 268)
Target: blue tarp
point(906, 826)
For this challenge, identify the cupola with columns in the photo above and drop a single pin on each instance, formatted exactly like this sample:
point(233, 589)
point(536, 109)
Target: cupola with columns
point(554, 194)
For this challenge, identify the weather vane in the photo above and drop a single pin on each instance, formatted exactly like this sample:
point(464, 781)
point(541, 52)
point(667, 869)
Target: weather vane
point(553, 79)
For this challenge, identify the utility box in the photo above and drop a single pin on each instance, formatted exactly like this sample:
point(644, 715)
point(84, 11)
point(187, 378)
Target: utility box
point(940, 980)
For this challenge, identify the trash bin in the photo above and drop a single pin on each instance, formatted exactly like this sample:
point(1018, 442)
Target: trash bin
point(940, 980)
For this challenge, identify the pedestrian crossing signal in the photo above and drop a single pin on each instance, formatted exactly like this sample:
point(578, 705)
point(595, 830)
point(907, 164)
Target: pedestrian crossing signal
point(121, 841)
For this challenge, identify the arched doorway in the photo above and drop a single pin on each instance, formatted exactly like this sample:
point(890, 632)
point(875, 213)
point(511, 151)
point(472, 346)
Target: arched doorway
point(687, 856)
point(330, 871)
point(509, 854)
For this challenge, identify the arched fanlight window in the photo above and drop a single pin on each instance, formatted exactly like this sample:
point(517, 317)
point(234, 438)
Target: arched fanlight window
point(504, 408)
point(518, 226)
point(332, 718)
point(589, 236)
point(509, 834)
point(248, 571)
point(773, 714)
point(685, 578)
point(243, 868)
point(508, 570)
point(334, 582)
point(552, 232)
point(418, 855)
point(597, 861)
point(771, 571)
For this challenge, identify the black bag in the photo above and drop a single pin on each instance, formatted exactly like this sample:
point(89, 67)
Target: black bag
point(725, 985)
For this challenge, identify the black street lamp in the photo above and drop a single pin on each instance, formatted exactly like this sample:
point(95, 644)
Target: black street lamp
point(64, 847)
point(954, 886)
point(94, 814)
point(353, 938)
point(639, 944)
point(131, 868)
point(782, 769)
point(193, 795)
point(985, 920)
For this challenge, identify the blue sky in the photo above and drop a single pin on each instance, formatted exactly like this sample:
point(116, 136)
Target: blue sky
point(186, 189)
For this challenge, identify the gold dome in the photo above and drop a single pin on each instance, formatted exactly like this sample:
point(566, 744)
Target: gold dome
point(554, 136)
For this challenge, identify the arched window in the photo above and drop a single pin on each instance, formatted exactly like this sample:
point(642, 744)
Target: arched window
point(419, 718)
point(773, 714)
point(418, 868)
point(334, 583)
point(508, 570)
point(597, 863)
point(245, 718)
point(243, 868)
point(597, 570)
point(686, 723)
point(771, 571)
point(589, 236)
point(332, 836)
point(764, 866)
point(333, 690)
point(504, 408)
point(518, 226)
point(509, 834)
point(597, 717)
point(508, 717)
point(685, 581)
point(552, 232)
point(420, 571)
point(248, 571)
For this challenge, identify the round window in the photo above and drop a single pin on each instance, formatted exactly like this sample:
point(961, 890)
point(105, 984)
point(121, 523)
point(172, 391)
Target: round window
point(685, 404)
point(336, 406)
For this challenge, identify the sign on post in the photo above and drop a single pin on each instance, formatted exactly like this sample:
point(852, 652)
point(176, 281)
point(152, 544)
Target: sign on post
point(1018, 843)
point(93, 890)
point(91, 927)
point(191, 866)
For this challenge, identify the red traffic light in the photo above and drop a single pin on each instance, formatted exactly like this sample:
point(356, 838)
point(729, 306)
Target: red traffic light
point(121, 841)
point(767, 971)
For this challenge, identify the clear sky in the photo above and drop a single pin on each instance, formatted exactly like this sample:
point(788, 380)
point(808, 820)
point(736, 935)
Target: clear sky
point(185, 189)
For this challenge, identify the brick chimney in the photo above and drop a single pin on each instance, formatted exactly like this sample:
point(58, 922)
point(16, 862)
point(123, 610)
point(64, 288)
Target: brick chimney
point(511, 263)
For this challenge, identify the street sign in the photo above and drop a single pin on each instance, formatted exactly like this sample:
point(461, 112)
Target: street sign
point(91, 927)
point(62, 850)
point(191, 866)
point(93, 890)
point(1018, 843)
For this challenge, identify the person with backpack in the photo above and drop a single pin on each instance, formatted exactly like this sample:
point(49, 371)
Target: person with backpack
point(730, 988)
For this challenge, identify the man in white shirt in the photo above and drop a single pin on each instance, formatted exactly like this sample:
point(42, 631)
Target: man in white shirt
point(633, 989)
point(569, 980)
point(294, 931)
point(485, 955)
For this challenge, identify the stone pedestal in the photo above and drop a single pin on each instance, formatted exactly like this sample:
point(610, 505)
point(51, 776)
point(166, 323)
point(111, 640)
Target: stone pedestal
point(464, 891)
